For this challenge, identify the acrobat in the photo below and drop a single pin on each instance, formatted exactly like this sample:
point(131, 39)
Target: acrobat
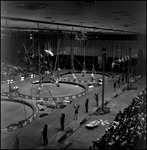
point(39, 89)
point(113, 64)
point(57, 82)
point(83, 72)
point(92, 77)
point(74, 77)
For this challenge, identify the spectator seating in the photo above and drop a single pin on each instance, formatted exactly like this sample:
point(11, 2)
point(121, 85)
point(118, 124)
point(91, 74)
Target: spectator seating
point(128, 130)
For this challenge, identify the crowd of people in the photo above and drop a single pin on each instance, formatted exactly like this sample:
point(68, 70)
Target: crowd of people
point(128, 130)
point(12, 71)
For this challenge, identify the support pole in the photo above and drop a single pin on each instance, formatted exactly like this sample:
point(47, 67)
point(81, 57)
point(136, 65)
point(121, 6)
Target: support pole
point(103, 85)
point(128, 87)
point(8, 69)
point(38, 47)
point(71, 50)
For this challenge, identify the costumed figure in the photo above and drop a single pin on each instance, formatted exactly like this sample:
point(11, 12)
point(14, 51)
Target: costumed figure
point(74, 77)
point(92, 77)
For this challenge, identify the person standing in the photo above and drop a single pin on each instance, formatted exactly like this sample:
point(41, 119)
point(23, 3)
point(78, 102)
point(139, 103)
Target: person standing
point(62, 120)
point(118, 82)
point(114, 85)
point(122, 79)
point(97, 99)
point(45, 140)
point(76, 115)
point(16, 143)
point(86, 105)
point(126, 77)
point(39, 89)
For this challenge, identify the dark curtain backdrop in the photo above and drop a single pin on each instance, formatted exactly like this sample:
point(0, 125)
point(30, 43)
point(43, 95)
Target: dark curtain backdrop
point(94, 48)
point(13, 46)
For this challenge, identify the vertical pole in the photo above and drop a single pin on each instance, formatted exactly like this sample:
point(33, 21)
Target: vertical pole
point(38, 47)
point(71, 50)
point(119, 51)
point(8, 71)
point(129, 69)
point(103, 81)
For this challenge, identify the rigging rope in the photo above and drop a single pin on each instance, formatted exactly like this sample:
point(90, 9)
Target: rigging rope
point(65, 120)
point(27, 53)
point(24, 53)
point(57, 56)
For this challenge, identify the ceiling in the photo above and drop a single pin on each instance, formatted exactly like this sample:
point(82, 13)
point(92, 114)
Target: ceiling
point(84, 16)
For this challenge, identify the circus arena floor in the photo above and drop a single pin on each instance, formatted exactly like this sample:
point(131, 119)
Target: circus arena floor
point(73, 93)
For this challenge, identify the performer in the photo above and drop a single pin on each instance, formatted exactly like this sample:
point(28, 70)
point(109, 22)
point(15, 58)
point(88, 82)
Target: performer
point(83, 72)
point(39, 89)
point(92, 77)
point(74, 77)
point(93, 69)
point(113, 64)
point(57, 82)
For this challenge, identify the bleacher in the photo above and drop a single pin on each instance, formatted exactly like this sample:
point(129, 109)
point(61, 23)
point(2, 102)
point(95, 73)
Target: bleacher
point(128, 129)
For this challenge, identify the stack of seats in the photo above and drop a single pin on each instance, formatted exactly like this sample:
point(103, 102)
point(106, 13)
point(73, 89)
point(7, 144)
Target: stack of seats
point(128, 130)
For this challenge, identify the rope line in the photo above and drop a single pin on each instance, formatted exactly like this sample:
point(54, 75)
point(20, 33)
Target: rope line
point(24, 53)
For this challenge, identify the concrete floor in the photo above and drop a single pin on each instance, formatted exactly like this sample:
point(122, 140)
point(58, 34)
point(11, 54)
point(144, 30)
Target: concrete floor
point(30, 135)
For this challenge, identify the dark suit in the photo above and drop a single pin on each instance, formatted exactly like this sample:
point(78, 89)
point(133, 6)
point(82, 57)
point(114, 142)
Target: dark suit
point(62, 119)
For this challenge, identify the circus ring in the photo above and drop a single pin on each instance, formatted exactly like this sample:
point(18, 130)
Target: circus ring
point(51, 94)
point(13, 113)
point(87, 77)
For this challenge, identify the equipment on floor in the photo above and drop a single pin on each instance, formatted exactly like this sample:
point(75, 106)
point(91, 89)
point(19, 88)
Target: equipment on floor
point(93, 124)
point(62, 138)
point(83, 121)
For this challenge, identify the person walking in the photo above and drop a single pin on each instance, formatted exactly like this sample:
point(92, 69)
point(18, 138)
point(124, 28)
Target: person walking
point(76, 115)
point(86, 105)
point(62, 120)
point(45, 140)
